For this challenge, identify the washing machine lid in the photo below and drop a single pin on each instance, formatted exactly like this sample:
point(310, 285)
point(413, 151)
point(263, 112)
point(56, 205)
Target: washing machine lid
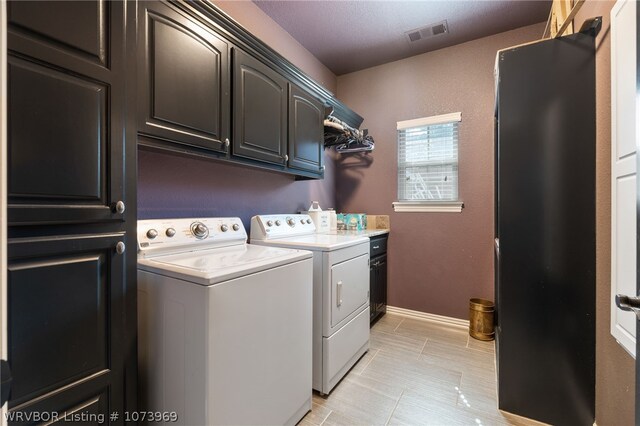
point(211, 266)
point(319, 242)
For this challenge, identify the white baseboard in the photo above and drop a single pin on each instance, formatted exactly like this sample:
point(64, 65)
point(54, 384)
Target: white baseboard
point(439, 319)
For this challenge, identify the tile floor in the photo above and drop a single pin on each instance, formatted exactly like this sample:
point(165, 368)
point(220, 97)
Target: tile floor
point(416, 373)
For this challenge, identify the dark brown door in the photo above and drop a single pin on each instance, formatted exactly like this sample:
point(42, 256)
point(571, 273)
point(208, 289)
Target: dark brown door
point(65, 314)
point(65, 86)
point(260, 111)
point(306, 131)
point(183, 78)
point(72, 210)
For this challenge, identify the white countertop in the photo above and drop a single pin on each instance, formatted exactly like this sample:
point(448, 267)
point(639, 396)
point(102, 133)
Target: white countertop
point(365, 233)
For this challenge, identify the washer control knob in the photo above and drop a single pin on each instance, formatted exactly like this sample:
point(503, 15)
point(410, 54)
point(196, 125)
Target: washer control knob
point(170, 232)
point(302, 221)
point(269, 223)
point(235, 226)
point(200, 230)
point(151, 234)
point(309, 221)
point(291, 222)
point(224, 228)
point(278, 223)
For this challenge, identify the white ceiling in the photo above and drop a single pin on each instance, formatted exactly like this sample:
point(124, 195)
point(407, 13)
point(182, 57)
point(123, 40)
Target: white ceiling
point(351, 35)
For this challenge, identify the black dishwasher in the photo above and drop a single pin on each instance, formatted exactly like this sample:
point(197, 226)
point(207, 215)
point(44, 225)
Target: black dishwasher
point(378, 277)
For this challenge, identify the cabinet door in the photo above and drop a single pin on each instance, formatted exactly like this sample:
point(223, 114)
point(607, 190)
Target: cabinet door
point(66, 111)
point(183, 77)
point(306, 131)
point(66, 325)
point(382, 283)
point(373, 291)
point(260, 111)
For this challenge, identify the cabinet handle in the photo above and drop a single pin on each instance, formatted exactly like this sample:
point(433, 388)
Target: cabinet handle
point(120, 247)
point(376, 247)
point(339, 294)
point(286, 158)
point(119, 207)
point(322, 168)
point(227, 143)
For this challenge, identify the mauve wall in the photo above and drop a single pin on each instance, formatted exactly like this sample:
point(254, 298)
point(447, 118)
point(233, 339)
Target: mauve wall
point(615, 378)
point(266, 29)
point(437, 261)
point(174, 186)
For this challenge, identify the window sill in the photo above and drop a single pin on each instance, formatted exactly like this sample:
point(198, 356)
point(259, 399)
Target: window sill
point(428, 206)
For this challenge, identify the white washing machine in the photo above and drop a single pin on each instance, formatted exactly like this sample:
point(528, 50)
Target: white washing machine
point(340, 291)
point(224, 327)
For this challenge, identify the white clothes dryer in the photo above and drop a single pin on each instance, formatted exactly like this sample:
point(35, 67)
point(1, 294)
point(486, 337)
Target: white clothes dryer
point(340, 291)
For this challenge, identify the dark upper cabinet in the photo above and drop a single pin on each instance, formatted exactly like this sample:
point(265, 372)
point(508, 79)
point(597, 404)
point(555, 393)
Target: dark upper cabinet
point(183, 78)
point(65, 112)
point(260, 99)
point(65, 315)
point(306, 131)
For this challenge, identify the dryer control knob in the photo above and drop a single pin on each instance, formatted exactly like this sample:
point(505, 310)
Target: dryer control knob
point(151, 234)
point(224, 228)
point(200, 230)
point(269, 223)
point(309, 221)
point(278, 223)
point(291, 222)
point(170, 232)
point(235, 226)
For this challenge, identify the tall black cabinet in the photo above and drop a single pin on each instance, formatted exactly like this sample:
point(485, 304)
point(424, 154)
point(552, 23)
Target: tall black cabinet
point(71, 207)
point(545, 229)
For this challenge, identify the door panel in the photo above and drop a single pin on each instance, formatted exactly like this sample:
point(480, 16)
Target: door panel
point(349, 287)
point(373, 290)
point(260, 111)
point(66, 403)
point(70, 113)
point(382, 279)
point(66, 113)
point(89, 20)
point(184, 75)
point(64, 335)
point(64, 310)
point(306, 137)
point(623, 169)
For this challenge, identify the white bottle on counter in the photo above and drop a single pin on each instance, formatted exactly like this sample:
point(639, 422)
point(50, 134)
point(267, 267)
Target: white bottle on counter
point(333, 220)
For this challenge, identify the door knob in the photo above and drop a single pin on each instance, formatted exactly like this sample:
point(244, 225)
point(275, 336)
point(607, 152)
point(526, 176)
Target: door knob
point(119, 207)
point(627, 303)
point(120, 247)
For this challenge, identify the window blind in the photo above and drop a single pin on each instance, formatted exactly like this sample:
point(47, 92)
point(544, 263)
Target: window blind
point(428, 159)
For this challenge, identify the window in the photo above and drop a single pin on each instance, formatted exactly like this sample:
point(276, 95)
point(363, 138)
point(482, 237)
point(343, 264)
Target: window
point(428, 164)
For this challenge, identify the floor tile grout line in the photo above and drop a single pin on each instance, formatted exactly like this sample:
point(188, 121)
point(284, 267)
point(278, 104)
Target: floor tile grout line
point(395, 407)
point(423, 346)
point(401, 321)
point(365, 367)
point(325, 419)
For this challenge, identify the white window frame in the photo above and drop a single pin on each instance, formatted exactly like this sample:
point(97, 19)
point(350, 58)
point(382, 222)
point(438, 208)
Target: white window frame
point(420, 206)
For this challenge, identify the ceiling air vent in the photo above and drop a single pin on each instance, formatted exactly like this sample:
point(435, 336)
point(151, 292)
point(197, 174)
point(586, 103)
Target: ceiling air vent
point(427, 32)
